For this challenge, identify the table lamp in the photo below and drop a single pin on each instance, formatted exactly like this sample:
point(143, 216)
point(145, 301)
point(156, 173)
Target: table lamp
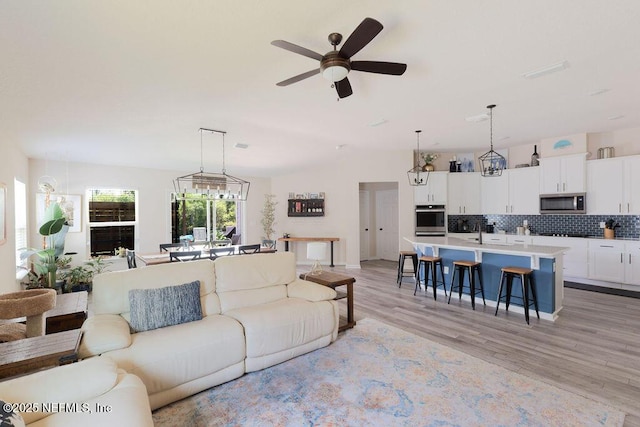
point(316, 251)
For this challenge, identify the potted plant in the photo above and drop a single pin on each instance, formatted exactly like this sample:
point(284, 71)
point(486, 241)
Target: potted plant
point(269, 220)
point(428, 158)
point(54, 229)
point(80, 278)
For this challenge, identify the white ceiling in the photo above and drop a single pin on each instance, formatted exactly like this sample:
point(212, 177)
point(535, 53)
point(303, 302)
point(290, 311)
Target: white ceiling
point(131, 82)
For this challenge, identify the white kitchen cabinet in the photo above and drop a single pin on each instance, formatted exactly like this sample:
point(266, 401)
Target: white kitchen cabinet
point(606, 260)
point(519, 240)
point(495, 194)
point(435, 192)
point(463, 193)
point(632, 264)
point(516, 191)
point(563, 174)
point(613, 186)
point(575, 259)
point(524, 191)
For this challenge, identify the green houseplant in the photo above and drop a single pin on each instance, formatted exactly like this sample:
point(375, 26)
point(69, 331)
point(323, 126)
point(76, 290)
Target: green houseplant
point(268, 220)
point(80, 278)
point(54, 230)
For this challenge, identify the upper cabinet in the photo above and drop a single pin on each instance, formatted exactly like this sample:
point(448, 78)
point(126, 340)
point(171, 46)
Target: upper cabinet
point(514, 192)
point(464, 193)
point(435, 192)
point(613, 186)
point(563, 174)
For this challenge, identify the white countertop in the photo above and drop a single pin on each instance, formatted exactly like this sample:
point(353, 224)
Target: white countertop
point(496, 248)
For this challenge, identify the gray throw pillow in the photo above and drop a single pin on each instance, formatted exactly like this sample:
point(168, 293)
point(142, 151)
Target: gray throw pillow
point(9, 417)
point(160, 307)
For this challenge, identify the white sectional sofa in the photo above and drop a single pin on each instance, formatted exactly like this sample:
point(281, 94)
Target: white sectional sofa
point(88, 393)
point(255, 313)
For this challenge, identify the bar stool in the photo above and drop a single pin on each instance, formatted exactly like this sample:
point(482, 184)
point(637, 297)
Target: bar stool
point(526, 280)
point(471, 267)
point(401, 273)
point(430, 263)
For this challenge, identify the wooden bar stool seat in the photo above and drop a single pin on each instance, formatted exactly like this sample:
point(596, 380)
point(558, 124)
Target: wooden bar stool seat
point(401, 259)
point(471, 267)
point(430, 263)
point(526, 281)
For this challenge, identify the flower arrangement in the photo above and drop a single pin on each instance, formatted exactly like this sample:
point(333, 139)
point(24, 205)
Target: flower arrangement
point(429, 157)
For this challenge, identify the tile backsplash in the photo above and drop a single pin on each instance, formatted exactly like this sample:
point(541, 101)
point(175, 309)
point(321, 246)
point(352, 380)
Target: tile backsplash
point(555, 224)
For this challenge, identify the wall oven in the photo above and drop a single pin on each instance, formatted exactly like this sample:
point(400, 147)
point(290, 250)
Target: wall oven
point(430, 220)
point(563, 203)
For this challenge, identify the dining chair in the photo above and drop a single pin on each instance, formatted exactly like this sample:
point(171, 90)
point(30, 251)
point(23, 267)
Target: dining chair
point(221, 251)
point(249, 249)
point(182, 256)
point(131, 258)
point(166, 247)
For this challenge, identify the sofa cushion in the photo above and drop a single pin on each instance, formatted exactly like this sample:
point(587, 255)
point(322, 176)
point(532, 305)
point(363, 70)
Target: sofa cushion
point(168, 357)
point(104, 333)
point(9, 417)
point(284, 324)
point(111, 290)
point(85, 380)
point(168, 306)
point(247, 280)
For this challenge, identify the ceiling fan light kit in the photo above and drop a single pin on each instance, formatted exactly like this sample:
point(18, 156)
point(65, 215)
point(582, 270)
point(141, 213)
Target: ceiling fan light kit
point(336, 64)
point(491, 162)
point(211, 186)
point(417, 177)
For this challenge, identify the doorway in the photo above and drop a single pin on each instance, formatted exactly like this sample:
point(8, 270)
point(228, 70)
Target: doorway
point(379, 225)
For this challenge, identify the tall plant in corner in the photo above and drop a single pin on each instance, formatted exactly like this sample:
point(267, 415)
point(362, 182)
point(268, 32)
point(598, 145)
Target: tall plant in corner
point(269, 219)
point(54, 230)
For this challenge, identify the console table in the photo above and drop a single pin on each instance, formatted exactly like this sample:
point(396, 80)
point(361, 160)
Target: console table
point(286, 241)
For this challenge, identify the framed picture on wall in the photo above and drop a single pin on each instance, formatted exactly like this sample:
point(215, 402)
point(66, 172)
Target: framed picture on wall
point(71, 205)
point(3, 214)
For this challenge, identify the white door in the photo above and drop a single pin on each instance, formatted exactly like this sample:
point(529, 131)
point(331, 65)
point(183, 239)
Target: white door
point(365, 226)
point(387, 224)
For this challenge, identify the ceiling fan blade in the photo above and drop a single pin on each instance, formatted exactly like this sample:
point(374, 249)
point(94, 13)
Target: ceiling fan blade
point(361, 36)
point(343, 87)
point(393, 68)
point(297, 49)
point(299, 77)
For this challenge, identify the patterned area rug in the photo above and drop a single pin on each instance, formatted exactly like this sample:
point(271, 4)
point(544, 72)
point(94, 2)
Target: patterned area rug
point(379, 375)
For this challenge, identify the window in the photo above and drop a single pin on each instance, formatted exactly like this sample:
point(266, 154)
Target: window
point(218, 217)
point(20, 194)
point(112, 219)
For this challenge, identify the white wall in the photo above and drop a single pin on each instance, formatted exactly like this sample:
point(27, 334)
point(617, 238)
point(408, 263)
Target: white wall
point(340, 181)
point(13, 165)
point(154, 189)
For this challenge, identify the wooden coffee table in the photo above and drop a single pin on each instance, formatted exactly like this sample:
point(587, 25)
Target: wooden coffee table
point(333, 280)
point(30, 354)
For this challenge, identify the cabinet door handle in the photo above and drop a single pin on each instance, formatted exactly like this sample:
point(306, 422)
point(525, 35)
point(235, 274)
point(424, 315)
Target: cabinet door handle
point(557, 187)
point(511, 208)
point(506, 209)
point(628, 209)
point(629, 258)
point(621, 260)
point(620, 207)
point(564, 186)
point(464, 209)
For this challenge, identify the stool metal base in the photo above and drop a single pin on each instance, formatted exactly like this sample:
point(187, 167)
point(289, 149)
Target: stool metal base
point(430, 263)
point(401, 259)
point(471, 267)
point(526, 281)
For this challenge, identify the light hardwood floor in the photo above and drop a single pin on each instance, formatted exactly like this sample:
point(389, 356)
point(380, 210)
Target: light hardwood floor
point(592, 349)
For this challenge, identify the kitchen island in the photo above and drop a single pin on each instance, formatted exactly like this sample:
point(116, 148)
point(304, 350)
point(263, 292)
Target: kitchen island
point(546, 261)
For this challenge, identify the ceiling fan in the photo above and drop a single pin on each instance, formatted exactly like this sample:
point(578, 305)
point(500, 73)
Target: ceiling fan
point(336, 64)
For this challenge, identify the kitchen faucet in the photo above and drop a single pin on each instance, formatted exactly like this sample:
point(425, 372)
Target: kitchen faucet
point(479, 233)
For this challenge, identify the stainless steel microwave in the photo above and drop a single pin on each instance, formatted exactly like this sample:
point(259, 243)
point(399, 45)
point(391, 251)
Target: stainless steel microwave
point(568, 203)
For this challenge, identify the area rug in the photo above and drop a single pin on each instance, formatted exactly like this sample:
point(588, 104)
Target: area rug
point(379, 375)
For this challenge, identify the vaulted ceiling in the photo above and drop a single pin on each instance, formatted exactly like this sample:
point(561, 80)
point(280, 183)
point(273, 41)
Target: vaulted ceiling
point(131, 82)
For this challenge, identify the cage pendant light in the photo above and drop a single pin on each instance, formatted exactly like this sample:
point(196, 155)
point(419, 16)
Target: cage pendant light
point(416, 175)
point(212, 186)
point(491, 163)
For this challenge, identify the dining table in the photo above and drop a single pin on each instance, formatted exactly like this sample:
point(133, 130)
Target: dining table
point(155, 258)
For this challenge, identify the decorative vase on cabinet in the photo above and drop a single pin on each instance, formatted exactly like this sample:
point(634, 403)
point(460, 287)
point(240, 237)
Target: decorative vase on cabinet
point(535, 157)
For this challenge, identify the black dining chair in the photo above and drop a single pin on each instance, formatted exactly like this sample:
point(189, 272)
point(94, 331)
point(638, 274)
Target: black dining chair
point(131, 258)
point(221, 251)
point(166, 247)
point(182, 256)
point(249, 249)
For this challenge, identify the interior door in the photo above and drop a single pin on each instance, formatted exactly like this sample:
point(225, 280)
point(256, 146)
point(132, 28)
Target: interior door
point(365, 226)
point(387, 224)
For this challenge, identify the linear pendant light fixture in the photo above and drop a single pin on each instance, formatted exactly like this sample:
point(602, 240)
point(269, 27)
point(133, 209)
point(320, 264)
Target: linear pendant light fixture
point(416, 175)
point(211, 186)
point(553, 68)
point(491, 163)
